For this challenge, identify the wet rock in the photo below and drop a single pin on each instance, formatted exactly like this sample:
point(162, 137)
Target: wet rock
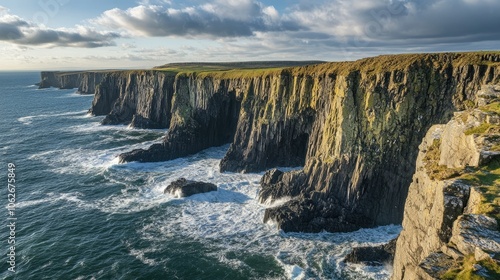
point(185, 188)
point(276, 185)
point(374, 256)
point(141, 122)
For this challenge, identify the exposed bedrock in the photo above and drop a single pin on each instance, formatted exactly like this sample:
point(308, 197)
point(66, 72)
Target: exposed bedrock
point(204, 114)
point(374, 256)
point(140, 98)
point(355, 127)
point(363, 144)
point(452, 209)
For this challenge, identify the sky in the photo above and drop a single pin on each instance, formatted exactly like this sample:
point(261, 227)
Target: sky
point(103, 34)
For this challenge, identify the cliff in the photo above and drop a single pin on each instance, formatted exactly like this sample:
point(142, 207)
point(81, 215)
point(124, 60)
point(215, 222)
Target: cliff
point(85, 81)
point(354, 126)
point(451, 225)
point(142, 98)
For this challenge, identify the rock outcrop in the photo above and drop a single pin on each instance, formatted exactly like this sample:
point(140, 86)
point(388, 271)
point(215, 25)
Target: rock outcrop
point(452, 211)
point(184, 188)
point(374, 256)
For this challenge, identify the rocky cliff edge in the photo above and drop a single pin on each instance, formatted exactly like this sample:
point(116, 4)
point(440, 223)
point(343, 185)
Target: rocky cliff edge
point(451, 226)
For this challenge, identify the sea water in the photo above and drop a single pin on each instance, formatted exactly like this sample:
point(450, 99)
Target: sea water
point(81, 215)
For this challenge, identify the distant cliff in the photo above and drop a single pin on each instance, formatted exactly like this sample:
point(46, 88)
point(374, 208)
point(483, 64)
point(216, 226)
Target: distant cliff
point(85, 82)
point(451, 220)
point(355, 126)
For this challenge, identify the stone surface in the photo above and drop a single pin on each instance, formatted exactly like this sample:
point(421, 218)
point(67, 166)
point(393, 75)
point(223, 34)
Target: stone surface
point(184, 188)
point(374, 256)
point(441, 225)
point(431, 208)
point(277, 185)
point(472, 232)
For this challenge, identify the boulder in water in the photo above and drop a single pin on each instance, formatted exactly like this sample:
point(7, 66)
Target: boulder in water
point(184, 188)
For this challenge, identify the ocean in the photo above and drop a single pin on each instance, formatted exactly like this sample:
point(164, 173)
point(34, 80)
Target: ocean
point(78, 214)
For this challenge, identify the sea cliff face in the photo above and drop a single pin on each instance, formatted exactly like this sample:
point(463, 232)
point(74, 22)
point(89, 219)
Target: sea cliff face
point(354, 126)
point(86, 82)
point(142, 98)
point(450, 225)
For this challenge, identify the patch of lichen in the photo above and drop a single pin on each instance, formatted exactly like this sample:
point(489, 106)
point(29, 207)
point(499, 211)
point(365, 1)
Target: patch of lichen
point(434, 170)
point(465, 270)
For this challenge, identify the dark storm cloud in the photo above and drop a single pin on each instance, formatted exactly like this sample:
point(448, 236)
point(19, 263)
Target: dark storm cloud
point(18, 31)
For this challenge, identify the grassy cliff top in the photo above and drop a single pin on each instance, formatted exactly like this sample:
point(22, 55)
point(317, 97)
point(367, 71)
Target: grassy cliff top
point(220, 66)
point(377, 64)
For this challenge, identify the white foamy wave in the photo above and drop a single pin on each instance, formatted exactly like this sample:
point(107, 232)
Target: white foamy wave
point(83, 160)
point(125, 203)
point(86, 116)
point(227, 220)
point(295, 272)
point(77, 161)
point(52, 198)
point(75, 94)
point(230, 220)
point(140, 254)
point(94, 127)
point(27, 120)
point(270, 203)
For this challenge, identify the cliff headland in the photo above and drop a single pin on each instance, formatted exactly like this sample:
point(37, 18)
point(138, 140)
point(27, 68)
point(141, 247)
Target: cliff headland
point(356, 127)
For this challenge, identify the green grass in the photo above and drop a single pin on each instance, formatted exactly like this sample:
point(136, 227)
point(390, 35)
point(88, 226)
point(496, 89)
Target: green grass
point(487, 178)
point(465, 270)
point(491, 108)
point(483, 128)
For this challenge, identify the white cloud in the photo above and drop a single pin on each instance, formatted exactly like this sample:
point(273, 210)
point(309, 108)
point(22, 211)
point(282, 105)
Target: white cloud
point(220, 18)
point(18, 31)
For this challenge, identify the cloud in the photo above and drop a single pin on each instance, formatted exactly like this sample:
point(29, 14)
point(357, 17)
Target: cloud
point(408, 22)
point(18, 31)
point(315, 27)
point(217, 19)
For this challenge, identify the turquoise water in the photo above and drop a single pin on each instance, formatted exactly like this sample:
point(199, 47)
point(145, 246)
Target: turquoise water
point(80, 215)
